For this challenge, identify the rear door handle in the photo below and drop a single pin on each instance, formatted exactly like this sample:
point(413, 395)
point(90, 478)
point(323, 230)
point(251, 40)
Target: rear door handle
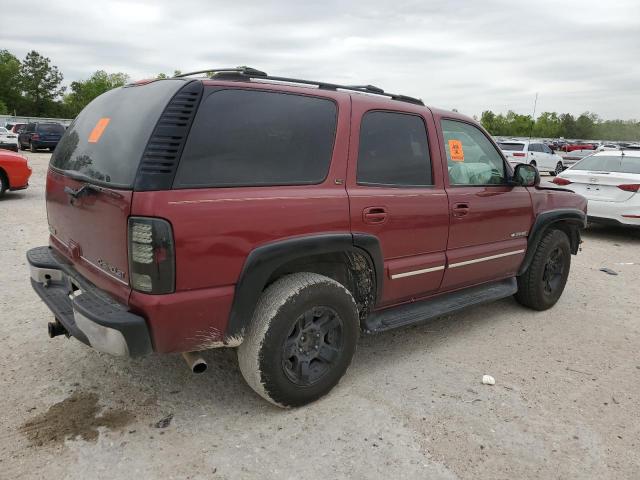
point(460, 209)
point(374, 215)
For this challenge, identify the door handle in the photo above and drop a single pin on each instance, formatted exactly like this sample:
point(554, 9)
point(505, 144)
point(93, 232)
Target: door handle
point(374, 215)
point(460, 209)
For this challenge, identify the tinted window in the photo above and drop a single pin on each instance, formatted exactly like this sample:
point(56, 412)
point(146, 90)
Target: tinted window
point(546, 149)
point(511, 147)
point(243, 137)
point(51, 128)
point(534, 147)
point(617, 164)
point(393, 150)
point(471, 157)
point(130, 114)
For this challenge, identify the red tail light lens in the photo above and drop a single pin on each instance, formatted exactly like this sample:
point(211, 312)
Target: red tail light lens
point(561, 181)
point(632, 187)
point(519, 154)
point(35, 136)
point(151, 255)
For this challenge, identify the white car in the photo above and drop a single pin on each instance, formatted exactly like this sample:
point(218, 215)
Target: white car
point(8, 140)
point(610, 181)
point(534, 153)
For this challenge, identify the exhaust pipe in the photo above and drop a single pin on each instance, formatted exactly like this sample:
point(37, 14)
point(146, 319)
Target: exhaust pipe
point(55, 328)
point(195, 362)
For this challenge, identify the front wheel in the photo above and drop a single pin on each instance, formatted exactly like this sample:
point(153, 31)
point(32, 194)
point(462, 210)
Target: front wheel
point(32, 148)
point(301, 339)
point(541, 285)
point(559, 169)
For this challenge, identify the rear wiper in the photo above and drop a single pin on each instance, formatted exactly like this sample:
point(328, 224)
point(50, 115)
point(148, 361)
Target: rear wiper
point(86, 187)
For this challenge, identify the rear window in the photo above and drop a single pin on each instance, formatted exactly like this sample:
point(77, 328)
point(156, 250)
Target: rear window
point(252, 138)
point(511, 147)
point(106, 140)
point(617, 164)
point(50, 128)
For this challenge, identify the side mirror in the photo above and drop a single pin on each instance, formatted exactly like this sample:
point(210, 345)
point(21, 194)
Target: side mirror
point(526, 175)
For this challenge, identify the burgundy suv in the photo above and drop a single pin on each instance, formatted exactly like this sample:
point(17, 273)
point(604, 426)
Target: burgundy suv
point(284, 217)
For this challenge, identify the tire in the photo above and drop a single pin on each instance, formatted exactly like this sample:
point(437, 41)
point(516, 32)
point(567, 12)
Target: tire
point(542, 284)
point(32, 148)
point(559, 169)
point(301, 339)
point(4, 183)
point(533, 163)
point(22, 147)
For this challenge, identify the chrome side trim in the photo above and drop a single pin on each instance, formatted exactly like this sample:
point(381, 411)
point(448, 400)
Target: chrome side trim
point(484, 259)
point(416, 272)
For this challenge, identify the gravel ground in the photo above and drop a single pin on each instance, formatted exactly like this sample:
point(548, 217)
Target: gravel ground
point(566, 403)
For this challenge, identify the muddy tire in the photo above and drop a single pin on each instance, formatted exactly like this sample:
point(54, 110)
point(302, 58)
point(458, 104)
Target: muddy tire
point(301, 339)
point(542, 284)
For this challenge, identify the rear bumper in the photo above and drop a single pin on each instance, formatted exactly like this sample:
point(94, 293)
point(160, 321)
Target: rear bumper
point(44, 143)
point(9, 146)
point(85, 311)
point(614, 212)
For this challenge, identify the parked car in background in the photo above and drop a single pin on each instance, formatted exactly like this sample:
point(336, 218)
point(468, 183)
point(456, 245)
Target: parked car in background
point(534, 153)
point(608, 147)
point(610, 181)
point(570, 147)
point(17, 128)
point(8, 140)
point(36, 136)
point(14, 171)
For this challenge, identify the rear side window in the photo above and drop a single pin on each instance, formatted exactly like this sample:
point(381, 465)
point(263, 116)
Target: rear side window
point(105, 142)
point(253, 138)
point(393, 150)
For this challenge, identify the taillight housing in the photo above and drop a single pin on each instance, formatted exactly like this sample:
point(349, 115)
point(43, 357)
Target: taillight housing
point(561, 181)
point(631, 187)
point(152, 266)
point(519, 154)
point(35, 136)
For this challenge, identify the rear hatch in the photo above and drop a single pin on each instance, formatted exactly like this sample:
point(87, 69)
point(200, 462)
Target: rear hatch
point(605, 178)
point(49, 132)
point(514, 151)
point(91, 177)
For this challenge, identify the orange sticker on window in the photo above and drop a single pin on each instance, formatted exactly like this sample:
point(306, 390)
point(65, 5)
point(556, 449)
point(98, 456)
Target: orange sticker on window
point(98, 130)
point(455, 150)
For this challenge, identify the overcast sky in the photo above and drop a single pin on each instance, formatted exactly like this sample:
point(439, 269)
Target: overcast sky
point(470, 55)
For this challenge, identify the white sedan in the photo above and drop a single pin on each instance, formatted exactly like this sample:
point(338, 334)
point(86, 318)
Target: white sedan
point(534, 153)
point(8, 140)
point(610, 181)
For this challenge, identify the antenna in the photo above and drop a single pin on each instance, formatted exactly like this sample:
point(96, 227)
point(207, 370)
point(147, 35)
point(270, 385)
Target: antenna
point(533, 118)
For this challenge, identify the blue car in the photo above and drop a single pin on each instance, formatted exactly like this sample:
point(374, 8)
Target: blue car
point(40, 135)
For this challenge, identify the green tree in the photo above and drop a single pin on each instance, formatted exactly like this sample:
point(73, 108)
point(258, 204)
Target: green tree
point(10, 81)
point(567, 126)
point(41, 83)
point(162, 76)
point(3, 108)
point(547, 125)
point(83, 91)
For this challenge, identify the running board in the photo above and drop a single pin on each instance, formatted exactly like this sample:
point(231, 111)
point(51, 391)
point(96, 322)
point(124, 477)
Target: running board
point(418, 312)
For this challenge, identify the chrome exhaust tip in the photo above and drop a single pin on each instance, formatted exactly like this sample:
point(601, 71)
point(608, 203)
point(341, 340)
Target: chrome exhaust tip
point(195, 362)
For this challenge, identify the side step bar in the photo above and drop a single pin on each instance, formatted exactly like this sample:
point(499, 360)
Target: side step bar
point(424, 310)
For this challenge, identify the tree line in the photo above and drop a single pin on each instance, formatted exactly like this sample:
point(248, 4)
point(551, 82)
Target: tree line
point(33, 87)
point(553, 125)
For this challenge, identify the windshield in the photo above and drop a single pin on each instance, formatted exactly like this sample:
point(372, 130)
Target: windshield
point(511, 147)
point(617, 164)
point(106, 140)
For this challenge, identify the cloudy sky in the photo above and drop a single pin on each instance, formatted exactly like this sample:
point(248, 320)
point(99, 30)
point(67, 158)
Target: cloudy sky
point(471, 55)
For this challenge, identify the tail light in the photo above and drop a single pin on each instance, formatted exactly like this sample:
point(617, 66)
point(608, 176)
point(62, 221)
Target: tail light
point(35, 136)
point(561, 181)
point(151, 255)
point(519, 154)
point(632, 187)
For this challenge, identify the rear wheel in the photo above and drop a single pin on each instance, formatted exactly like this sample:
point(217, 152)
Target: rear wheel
point(32, 148)
point(301, 339)
point(541, 285)
point(559, 169)
point(533, 163)
point(22, 147)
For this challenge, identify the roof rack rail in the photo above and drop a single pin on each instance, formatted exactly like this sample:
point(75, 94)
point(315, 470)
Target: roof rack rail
point(244, 72)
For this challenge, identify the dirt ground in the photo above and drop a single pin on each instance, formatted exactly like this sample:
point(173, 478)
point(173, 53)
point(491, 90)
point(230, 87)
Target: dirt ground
point(566, 403)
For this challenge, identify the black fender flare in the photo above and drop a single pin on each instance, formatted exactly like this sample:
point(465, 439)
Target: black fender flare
point(576, 220)
point(266, 259)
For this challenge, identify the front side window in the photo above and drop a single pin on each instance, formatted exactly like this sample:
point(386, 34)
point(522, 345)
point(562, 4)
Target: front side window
point(471, 157)
point(393, 150)
point(253, 138)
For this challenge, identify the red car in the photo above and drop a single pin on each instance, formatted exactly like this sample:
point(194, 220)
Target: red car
point(14, 171)
point(577, 146)
point(285, 217)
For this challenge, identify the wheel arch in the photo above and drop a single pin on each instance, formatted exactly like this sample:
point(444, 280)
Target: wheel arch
point(5, 176)
point(355, 261)
point(570, 221)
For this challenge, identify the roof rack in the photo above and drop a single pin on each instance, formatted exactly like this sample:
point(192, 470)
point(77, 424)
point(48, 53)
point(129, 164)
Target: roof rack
point(247, 73)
